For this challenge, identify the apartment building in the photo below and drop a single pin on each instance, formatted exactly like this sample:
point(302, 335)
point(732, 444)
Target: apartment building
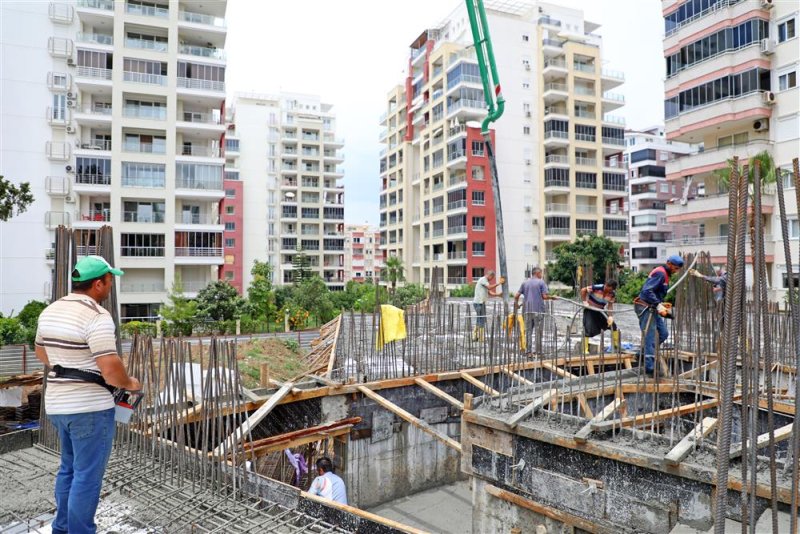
point(132, 95)
point(362, 252)
point(731, 85)
point(559, 153)
point(287, 159)
point(647, 153)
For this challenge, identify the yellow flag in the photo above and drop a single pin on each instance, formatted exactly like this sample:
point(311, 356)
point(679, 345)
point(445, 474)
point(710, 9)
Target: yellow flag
point(392, 326)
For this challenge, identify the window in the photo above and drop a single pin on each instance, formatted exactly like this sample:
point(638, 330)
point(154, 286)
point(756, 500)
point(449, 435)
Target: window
point(229, 275)
point(477, 173)
point(731, 86)
point(230, 242)
point(477, 272)
point(794, 229)
point(786, 30)
point(526, 130)
point(478, 198)
point(786, 176)
point(525, 38)
point(477, 148)
point(143, 174)
point(479, 223)
point(786, 280)
point(664, 188)
point(230, 210)
point(526, 85)
point(230, 226)
point(478, 249)
point(785, 81)
point(140, 245)
point(59, 111)
point(230, 193)
point(642, 155)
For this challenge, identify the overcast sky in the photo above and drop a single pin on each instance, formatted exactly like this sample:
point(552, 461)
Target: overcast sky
point(352, 52)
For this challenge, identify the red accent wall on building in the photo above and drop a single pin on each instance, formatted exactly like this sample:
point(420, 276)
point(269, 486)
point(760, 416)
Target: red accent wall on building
point(489, 234)
point(233, 255)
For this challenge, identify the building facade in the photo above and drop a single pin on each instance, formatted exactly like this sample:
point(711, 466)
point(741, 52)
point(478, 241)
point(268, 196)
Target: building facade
point(133, 95)
point(288, 161)
point(362, 252)
point(559, 154)
point(731, 85)
point(647, 153)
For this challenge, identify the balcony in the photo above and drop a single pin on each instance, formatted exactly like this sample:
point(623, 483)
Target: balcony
point(199, 255)
point(195, 219)
point(92, 183)
point(144, 78)
point(587, 68)
point(586, 162)
point(144, 287)
point(92, 219)
point(144, 148)
point(198, 188)
point(713, 206)
point(586, 209)
point(552, 208)
point(198, 151)
point(456, 280)
point(717, 246)
point(556, 160)
point(457, 205)
point(457, 256)
point(554, 68)
point(93, 116)
point(201, 19)
point(556, 234)
point(558, 184)
point(554, 138)
point(714, 158)
point(555, 92)
point(472, 108)
point(54, 219)
point(612, 101)
point(146, 44)
point(737, 113)
point(552, 48)
point(147, 11)
point(158, 113)
point(137, 217)
point(202, 51)
point(92, 76)
point(611, 78)
point(455, 230)
point(198, 84)
point(95, 38)
point(102, 5)
point(57, 186)
point(616, 234)
point(614, 119)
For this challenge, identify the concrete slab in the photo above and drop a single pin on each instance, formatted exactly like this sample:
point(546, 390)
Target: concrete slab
point(447, 509)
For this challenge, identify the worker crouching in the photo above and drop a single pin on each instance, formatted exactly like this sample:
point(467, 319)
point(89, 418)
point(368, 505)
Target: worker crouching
point(601, 297)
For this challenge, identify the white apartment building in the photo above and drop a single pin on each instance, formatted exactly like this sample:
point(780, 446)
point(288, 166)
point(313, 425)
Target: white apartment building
point(113, 111)
point(732, 85)
point(559, 152)
point(647, 153)
point(289, 162)
point(362, 252)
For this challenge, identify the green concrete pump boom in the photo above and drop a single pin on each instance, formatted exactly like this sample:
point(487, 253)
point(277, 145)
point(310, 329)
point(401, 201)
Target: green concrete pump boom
point(495, 104)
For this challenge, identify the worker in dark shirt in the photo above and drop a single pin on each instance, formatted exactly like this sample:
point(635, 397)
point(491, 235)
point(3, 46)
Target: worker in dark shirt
point(600, 297)
point(651, 308)
point(719, 282)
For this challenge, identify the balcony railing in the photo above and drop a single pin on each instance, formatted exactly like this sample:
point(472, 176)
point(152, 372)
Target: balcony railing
point(614, 119)
point(615, 233)
point(585, 114)
point(93, 179)
point(147, 11)
point(464, 78)
point(556, 207)
point(196, 218)
point(96, 38)
point(145, 112)
point(143, 77)
point(201, 118)
point(201, 151)
point(613, 141)
point(616, 97)
point(555, 87)
point(150, 182)
point(211, 184)
point(465, 103)
point(457, 230)
point(555, 134)
point(552, 42)
point(146, 44)
point(710, 240)
point(99, 216)
point(457, 204)
point(144, 148)
point(96, 110)
point(144, 287)
point(587, 162)
point(205, 85)
point(556, 231)
point(199, 252)
point(93, 72)
point(136, 217)
point(202, 51)
point(559, 63)
point(556, 182)
point(614, 74)
point(457, 280)
point(589, 138)
point(585, 209)
point(107, 5)
point(95, 144)
point(586, 91)
point(583, 67)
point(556, 158)
point(141, 252)
point(456, 154)
point(200, 18)
point(458, 255)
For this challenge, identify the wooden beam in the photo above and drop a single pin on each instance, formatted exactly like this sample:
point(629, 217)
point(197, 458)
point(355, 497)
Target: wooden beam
point(419, 423)
point(362, 514)
point(781, 434)
point(298, 442)
point(548, 511)
point(263, 375)
point(558, 370)
point(684, 446)
point(582, 434)
point(702, 369)
point(439, 393)
point(657, 416)
point(468, 401)
point(288, 436)
point(587, 411)
point(519, 378)
point(487, 390)
point(532, 407)
point(253, 420)
point(332, 358)
point(326, 381)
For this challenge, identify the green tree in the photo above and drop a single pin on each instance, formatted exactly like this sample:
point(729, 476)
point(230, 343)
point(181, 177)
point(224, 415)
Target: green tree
point(302, 266)
point(369, 299)
point(408, 295)
point(600, 251)
point(346, 300)
point(12, 332)
point(467, 290)
point(220, 301)
point(314, 296)
point(631, 287)
point(29, 316)
point(14, 198)
point(260, 294)
point(180, 313)
point(393, 272)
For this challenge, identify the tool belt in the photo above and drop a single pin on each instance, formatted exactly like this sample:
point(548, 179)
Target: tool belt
point(84, 375)
point(641, 306)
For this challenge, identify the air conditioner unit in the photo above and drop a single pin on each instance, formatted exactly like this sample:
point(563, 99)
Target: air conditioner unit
point(768, 97)
point(761, 125)
point(70, 103)
point(70, 96)
point(527, 66)
point(767, 46)
point(70, 199)
point(528, 114)
point(70, 129)
point(767, 4)
point(68, 168)
point(527, 162)
point(70, 62)
point(528, 208)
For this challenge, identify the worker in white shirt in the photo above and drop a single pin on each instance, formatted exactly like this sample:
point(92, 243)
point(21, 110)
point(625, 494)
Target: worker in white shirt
point(328, 485)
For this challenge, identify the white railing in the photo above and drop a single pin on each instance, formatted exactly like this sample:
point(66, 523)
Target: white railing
point(93, 72)
point(94, 144)
point(205, 85)
point(560, 63)
point(199, 252)
point(457, 280)
point(194, 286)
point(143, 77)
point(466, 103)
point(459, 255)
point(97, 38)
point(198, 117)
point(556, 134)
point(153, 287)
point(107, 5)
point(614, 119)
point(150, 182)
point(587, 91)
point(144, 148)
point(457, 204)
point(556, 207)
point(201, 151)
point(556, 182)
point(616, 97)
point(556, 231)
point(192, 218)
point(556, 158)
point(585, 114)
point(199, 183)
point(583, 67)
point(146, 44)
point(457, 230)
point(555, 87)
point(615, 233)
point(147, 11)
point(136, 217)
point(202, 51)
point(145, 112)
point(613, 74)
point(587, 162)
point(93, 179)
point(613, 141)
point(585, 209)
point(590, 138)
point(200, 18)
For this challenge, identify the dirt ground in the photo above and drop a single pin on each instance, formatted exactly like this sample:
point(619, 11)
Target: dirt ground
point(284, 358)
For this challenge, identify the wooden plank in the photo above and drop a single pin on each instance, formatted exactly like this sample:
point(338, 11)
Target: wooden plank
point(558, 370)
point(582, 434)
point(288, 436)
point(422, 425)
point(468, 401)
point(628, 364)
point(480, 385)
point(702, 369)
point(531, 407)
point(326, 381)
point(254, 419)
point(684, 446)
point(252, 396)
point(439, 393)
point(587, 411)
point(332, 358)
point(590, 367)
point(519, 378)
point(657, 416)
point(548, 511)
point(363, 514)
point(298, 442)
point(263, 375)
point(781, 434)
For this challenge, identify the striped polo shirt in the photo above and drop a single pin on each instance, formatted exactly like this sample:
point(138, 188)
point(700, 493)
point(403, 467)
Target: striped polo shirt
point(74, 331)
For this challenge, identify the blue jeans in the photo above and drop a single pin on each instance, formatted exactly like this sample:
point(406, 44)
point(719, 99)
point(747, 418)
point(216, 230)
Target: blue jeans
point(480, 312)
point(656, 323)
point(86, 440)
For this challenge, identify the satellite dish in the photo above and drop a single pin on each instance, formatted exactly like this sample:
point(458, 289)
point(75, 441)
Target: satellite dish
point(473, 124)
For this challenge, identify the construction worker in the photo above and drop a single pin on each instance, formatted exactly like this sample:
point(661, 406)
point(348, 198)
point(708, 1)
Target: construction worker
point(602, 297)
point(720, 282)
point(484, 288)
point(534, 291)
point(76, 338)
point(328, 484)
point(651, 308)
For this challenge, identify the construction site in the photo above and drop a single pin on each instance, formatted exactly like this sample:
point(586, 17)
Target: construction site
point(568, 435)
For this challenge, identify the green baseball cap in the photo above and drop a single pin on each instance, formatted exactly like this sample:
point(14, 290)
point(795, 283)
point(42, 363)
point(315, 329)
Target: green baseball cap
point(92, 267)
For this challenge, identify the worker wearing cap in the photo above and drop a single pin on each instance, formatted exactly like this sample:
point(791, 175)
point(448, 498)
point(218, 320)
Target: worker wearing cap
point(719, 282)
point(651, 308)
point(76, 333)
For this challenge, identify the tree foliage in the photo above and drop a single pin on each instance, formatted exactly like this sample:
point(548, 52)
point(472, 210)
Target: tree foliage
point(314, 296)
point(260, 294)
point(631, 287)
point(302, 266)
point(599, 251)
point(219, 301)
point(393, 271)
point(467, 290)
point(14, 198)
point(180, 313)
point(29, 316)
point(408, 295)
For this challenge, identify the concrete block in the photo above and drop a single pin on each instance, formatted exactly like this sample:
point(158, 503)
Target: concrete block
point(637, 515)
point(382, 426)
point(564, 493)
point(20, 439)
point(434, 415)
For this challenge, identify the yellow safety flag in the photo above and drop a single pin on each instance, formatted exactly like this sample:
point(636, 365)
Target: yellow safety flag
point(509, 327)
point(392, 326)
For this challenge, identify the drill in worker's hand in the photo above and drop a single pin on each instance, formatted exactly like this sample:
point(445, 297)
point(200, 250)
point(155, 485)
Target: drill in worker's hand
point(665, 310)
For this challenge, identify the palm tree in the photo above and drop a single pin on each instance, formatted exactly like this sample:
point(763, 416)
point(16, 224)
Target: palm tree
point(769, 176)
point(392, 272)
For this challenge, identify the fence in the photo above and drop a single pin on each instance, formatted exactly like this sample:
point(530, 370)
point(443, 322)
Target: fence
point(18, 360)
